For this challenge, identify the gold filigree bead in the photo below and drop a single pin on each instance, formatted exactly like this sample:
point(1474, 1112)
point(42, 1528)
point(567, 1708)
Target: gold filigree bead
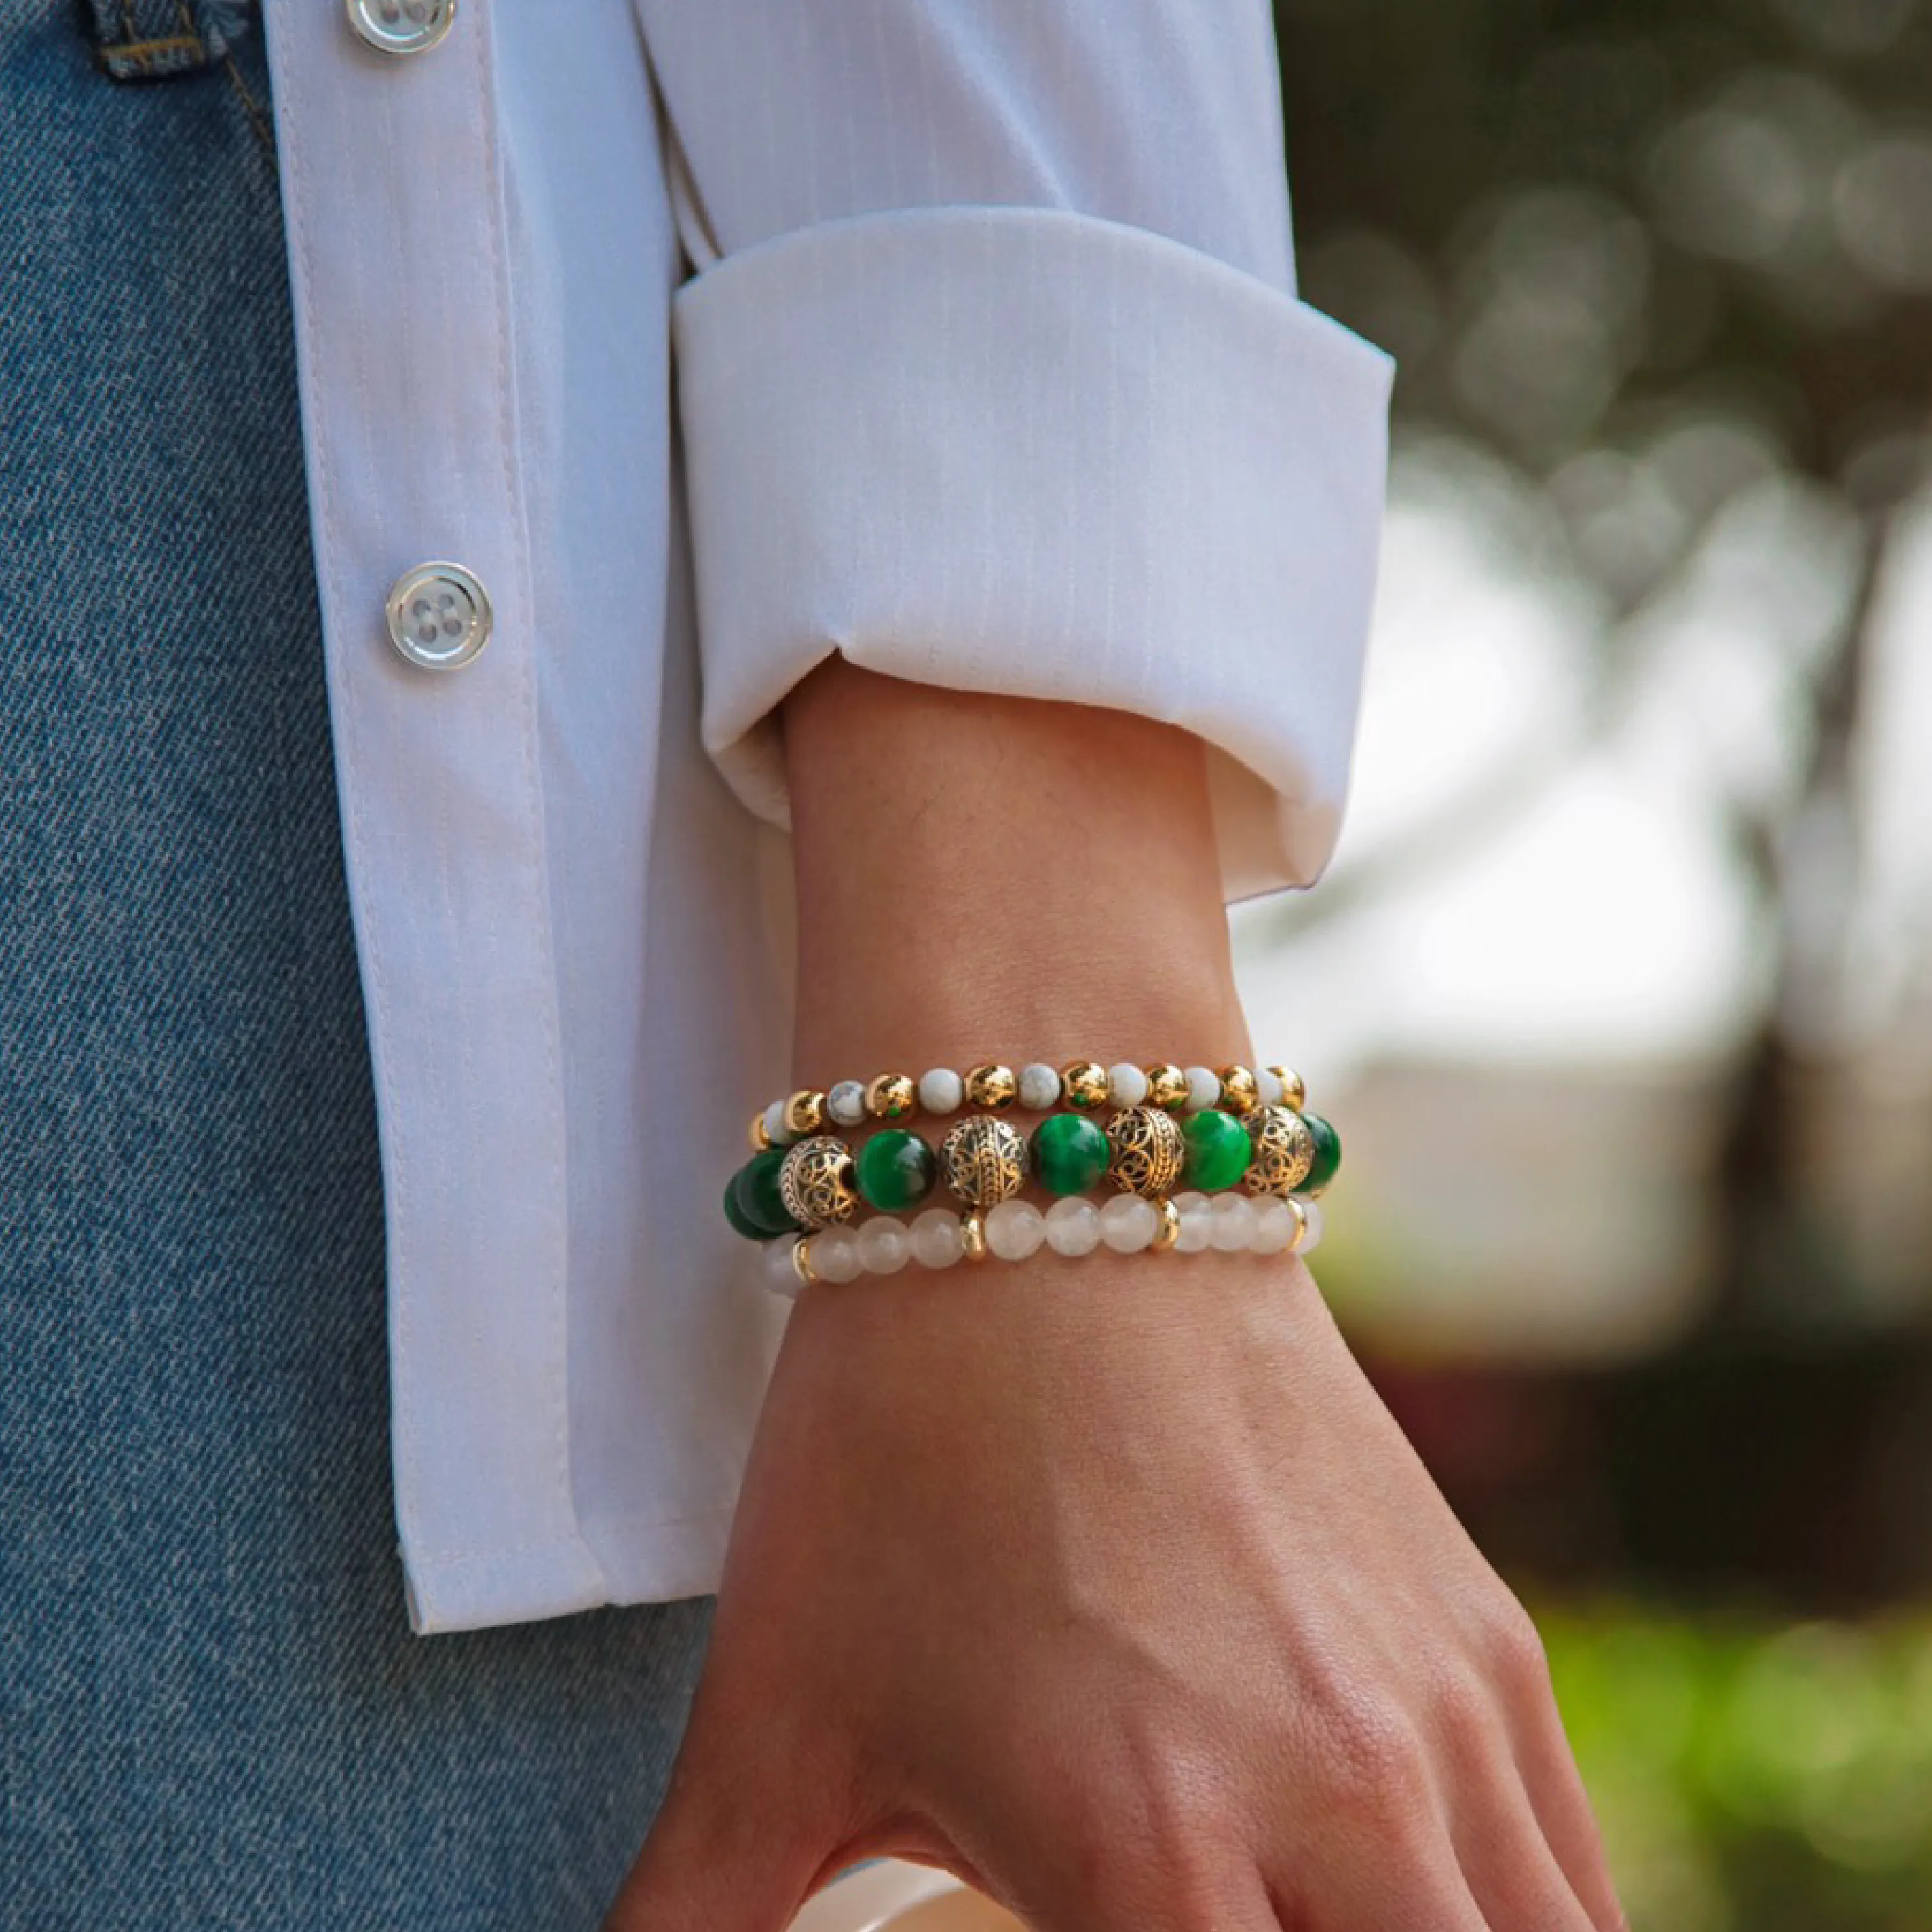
point(817, 1181)
point(891, 1096)
point(1084, 1083)
point(1284, 1150)
point(973, 1235)
point(1168, 1231)
point(992, 1086)
point(1167, 1086)
point(758, 1134)
point(984, 1160)
point(805, 1112)
point(801, 1262)
point(1146, 1149)
point(1294, 1094)
point(1240, 1092)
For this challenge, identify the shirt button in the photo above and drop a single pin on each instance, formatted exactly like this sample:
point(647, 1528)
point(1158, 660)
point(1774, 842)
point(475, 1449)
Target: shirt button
point(401, 26)
point(438, 615)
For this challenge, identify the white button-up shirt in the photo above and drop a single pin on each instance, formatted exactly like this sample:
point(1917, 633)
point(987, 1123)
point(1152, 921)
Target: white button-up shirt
point(707, 338)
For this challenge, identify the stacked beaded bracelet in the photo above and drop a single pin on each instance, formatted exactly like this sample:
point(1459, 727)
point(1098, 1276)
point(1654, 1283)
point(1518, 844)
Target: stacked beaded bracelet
point(1240, 1125)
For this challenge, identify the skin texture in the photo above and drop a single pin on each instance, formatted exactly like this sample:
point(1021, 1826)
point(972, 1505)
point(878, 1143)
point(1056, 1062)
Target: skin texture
point(1109, 1584)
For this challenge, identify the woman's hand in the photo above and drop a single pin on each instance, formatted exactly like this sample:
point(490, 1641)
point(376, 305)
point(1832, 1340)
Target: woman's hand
point(1109, 1582)
point(1110, 1585)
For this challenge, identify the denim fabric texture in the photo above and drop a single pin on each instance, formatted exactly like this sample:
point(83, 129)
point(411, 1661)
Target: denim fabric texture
point(212, 1714)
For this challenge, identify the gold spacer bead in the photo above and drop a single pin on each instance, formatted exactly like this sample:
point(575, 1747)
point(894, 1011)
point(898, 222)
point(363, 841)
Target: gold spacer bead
point(891, 1096)
point(1240, 1092)
point(1084, 1083)
point(758, 1134)
point(1168, 1232)
point(805, 1112)
point(1300, 1224)
point(992, 1086)
point(1294, 1092)
point(801, 1262)
point(973, 1235)
point(1167, 1086)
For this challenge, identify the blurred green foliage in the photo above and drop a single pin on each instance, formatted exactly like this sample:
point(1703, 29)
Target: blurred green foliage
point(1755, 1778)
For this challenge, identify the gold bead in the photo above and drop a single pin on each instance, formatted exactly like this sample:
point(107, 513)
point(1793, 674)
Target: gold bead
point(801, 1262)
point(758, 1134)
point(891, 1096)
point(805, 1112)
point(984, 1160)
point(1148, 1147)
point(992, 1086)
point(1167, 1086)
point(1300, 1210)
point(1284, 1150)
point(1240, 1092)
point(817, 1181)
point(1084, 1082)
point(1168, 1232)
point(1293, 1093)
point(973, 1235)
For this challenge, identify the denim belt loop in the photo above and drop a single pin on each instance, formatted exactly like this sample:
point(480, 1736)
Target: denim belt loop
point(162, 40)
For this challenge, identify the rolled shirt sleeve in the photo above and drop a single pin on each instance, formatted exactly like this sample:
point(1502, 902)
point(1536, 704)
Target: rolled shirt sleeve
point(992, 374)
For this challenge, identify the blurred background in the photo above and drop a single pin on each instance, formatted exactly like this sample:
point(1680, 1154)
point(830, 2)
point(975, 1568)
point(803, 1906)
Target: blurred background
point(1620, 985)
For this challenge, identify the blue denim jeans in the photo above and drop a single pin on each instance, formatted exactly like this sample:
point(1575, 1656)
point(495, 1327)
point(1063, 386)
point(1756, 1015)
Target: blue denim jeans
point(211, 1712)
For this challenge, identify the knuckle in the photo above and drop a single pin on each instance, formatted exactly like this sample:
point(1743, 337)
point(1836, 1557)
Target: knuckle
point(1377, 1764)
point(1514, 1648)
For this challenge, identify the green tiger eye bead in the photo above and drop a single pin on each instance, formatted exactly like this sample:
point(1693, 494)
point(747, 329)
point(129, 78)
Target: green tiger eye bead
point(1069, 1153)
point(754, 1192)
point(736, 1215)
point(1327, 1153)
point(896, 1169)
point(1218, 1150)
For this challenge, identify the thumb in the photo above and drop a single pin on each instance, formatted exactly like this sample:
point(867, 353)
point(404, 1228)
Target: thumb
point(730, 1851)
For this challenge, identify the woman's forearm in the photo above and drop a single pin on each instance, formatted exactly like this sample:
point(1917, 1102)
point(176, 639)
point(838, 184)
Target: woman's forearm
point(982, 876)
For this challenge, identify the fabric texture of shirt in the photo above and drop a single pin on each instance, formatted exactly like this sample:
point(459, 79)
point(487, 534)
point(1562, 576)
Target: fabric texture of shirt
point(714, 336)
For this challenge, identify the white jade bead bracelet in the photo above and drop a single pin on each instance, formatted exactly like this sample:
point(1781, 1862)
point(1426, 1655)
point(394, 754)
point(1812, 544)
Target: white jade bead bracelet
point(1232, 1223)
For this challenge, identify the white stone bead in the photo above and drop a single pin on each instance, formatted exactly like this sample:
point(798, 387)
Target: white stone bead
point(1127, 1223)
point(935, 1238)
point(1267, 1087)
point(776, 1132)
point(1040, 1087)
point(1312, 1239)
point(834, 1254)
point(941, 1090)
point(1126, 1084)
point(1196, 1222)
point(1275, 1225)
point(1014, 1229)
point(1231, 1226)
point(1203, 1088)
point(775, 1268)
point(1073, 1226)
point(884, 1245)
point(846, 1103)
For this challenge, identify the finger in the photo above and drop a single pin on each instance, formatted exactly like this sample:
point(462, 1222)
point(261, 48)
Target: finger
point(1555, 1791)
point(733, 1850)
point(1552, 1785)
point(1510, 1871)
point(1369, 1890)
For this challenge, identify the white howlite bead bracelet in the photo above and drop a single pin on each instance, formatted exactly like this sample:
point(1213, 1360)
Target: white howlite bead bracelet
point(1083, 1085)
point(1228, 1222)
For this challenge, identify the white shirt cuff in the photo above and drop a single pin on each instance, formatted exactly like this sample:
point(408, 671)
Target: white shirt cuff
point(1025, 450)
